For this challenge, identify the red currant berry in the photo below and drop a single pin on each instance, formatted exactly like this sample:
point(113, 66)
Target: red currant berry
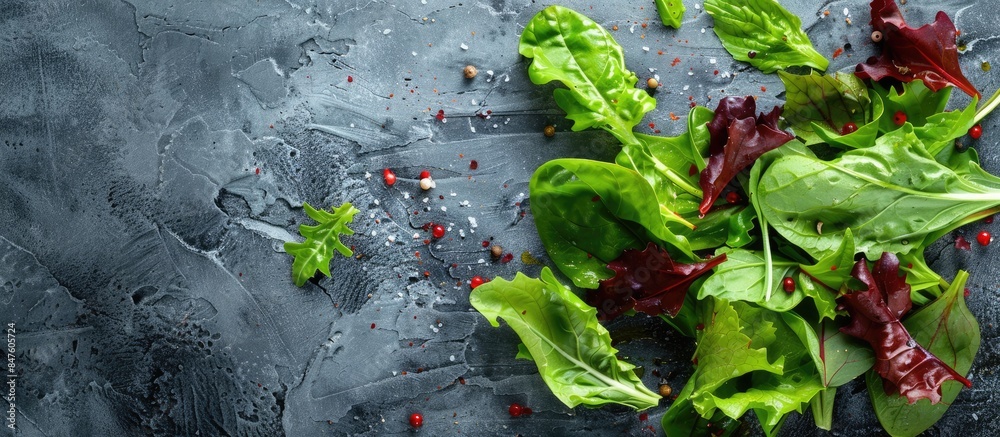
point(788, 284)
point(515, 410)
point(416, 420)
point(424, 174)
point(849, 128)
point(899, 118)
point(984, 238)
point(389, 177)
point(976, 131)
point(437, 231)
point(476, 281)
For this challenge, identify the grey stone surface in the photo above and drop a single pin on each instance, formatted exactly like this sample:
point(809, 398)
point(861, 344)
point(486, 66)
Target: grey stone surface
point(155, 156)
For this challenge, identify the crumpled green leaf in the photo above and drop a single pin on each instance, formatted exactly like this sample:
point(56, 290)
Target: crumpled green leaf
point(766, 30)
point(568, 47)
point(316, 252)
point(561, 334)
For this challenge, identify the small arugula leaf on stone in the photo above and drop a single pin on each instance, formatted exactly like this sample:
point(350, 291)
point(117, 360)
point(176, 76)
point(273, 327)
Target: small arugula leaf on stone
point(568, 47)
point(928, 53)
point(316, 252)
point(671, 12)
point(738, 137)
point(905, 366)
point(648, 281)
point(764, 34)
point(561, 334)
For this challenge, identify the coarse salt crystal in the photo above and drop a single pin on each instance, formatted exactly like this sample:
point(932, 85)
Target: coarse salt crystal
point(645, 48)
point(711, 60)
point(386, 32)
point(473, 223)
point(464, 47)
point(847, 11)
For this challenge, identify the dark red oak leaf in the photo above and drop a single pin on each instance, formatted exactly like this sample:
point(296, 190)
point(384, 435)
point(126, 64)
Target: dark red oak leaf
point(906, 367)
point(737, 138)
point(928, 53)
point(648, 281)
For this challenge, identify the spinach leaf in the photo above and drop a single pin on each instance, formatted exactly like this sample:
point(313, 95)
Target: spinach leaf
point(316, 252)
point(568, 47)
point(948, 330)
point(827, 100)
point(764, 34)
point(561, 334)
point(588, 212)
point(671, 12)
point(891, 195)
point(839, 357)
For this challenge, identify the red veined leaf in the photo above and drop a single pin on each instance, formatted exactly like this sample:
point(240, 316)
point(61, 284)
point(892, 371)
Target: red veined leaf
point(928, 53)
point(648, 281)
point(737, 139)
point(906, 367)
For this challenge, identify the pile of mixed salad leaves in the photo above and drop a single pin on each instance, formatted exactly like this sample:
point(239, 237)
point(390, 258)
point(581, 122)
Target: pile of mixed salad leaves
point(788, 243)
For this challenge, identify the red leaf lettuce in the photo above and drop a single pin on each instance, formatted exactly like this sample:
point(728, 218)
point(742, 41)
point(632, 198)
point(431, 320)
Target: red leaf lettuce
point(738, 138)
point(905, 366)
point(928, 53)
point(648, 281)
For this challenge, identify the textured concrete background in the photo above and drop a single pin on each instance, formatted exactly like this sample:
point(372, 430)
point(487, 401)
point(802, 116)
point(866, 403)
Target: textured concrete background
point(155, 156)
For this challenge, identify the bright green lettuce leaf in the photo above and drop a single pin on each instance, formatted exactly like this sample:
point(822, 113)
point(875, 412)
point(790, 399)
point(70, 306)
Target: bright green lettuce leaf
point(321, 241)
point(568, 47)
point(768, 31)
point(891, 195)
point(712, 230)
point(588, 212)
point(923, 281)
point(948, 330)
point(914, 99)
point(940, 130)
point(671, 12)
point(657, 160)
point(825, 100)
point(561, 334)
point(729, 348)
point(748, 358)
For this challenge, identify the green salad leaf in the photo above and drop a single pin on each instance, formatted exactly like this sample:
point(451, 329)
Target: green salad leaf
point(561, 334)
point(891, 195)
point(316, 252)
point(671, 12)
point(588, 212)
point(763, 34)
point(830, 101)
point(568, 47)
point(948, 330)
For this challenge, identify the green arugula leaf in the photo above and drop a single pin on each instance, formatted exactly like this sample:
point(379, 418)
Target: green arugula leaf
point(891, 195)
point(671, 12)
point(833, 269)
point(568, 47)
point(823, 99)
point(740, 227)
point(940, 130)
point(321, 241)
point(948, 330)
point(764, 34)
point(561, 334)
point(588, 212)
